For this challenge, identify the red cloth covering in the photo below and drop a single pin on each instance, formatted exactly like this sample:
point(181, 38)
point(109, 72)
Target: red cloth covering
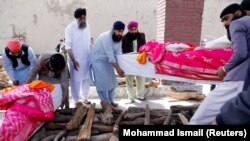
point(28, 106)
point(190, 63)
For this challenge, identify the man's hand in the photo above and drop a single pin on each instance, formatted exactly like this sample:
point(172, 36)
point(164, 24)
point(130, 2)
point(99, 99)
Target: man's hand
point(221, 73)
point(121, 73)
point(118, 70)
point(76, 65)
point(72, 57)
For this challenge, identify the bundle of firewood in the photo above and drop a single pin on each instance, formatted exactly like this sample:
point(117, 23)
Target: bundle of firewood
point(80, 123)
point(83, 123)
point(4, 79)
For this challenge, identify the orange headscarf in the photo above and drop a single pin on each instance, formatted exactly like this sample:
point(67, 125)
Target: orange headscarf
point(14, 45)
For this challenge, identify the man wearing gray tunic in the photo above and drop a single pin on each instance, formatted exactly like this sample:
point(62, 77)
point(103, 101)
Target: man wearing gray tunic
point(103, 58)
point(234, 71)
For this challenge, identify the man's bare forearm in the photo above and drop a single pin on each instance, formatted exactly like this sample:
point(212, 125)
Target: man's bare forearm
point(71, 55)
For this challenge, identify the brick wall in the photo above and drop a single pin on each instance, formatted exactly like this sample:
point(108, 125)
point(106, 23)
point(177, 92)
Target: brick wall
point(161, 20)
point(183, 19)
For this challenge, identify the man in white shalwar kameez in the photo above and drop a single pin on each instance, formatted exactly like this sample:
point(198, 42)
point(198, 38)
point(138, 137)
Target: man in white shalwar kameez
point(77, 44)
point(103, 61)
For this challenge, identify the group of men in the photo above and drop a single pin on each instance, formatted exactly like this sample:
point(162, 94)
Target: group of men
point(227, 104)
point(98, 63)
point(85, 63)
point(101, 58)
point(22, 66)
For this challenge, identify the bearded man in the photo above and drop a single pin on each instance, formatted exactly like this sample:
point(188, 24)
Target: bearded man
point(131, 42)
point(234, 71)
point(103, 58)
point(245, 4)
point(77, 44)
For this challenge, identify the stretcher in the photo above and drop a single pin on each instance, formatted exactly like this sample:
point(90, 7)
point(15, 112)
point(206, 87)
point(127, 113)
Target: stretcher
point(130, 66)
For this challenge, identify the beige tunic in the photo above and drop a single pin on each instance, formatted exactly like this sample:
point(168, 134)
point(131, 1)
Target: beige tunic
point(48, 76)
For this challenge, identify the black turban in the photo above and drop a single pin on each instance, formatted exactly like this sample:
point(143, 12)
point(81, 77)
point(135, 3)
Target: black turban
point(118, 25)
point(57, 62)
point(231, 9)
point(79, 12)
point(245, 4)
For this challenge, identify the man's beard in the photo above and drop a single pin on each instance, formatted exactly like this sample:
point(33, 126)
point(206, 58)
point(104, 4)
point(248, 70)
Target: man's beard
point(228, 32)
point(133, 36)
point(82, 25)
point(116, 38)
point(235, 17)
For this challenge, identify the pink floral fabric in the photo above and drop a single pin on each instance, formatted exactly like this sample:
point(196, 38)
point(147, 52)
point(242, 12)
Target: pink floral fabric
point(193, 64)
point(27, 108)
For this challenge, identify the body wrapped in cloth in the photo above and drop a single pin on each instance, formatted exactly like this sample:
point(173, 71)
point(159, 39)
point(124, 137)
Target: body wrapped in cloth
point(27, 106)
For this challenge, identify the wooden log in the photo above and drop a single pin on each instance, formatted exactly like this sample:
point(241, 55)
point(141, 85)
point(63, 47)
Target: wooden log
point(177, 119)
point(98, 110)
point(172, 122)
point(73, 132)
point(183, 119)
point(38, 135)
point(54, 132)
point(135, 109)
point(113, 138)
point(158, 121)
point(76, 132)
point(60, 135)
point(133, 116)
point(85, 131)
point(147, 116)
point(140, 121)
point(49, 138)
point(76, 120)
point(179, 108)
point(69, 111)
point(117, 122)
point(62, 118)
point(153, 112)
point(101, 137)
point(95, 132)
point(102, 128)
point(168, 118)
point(115, 110)
point(159, 112)
point(188, 113)
point(71, 138)
point(53, 126)
point(96, 118)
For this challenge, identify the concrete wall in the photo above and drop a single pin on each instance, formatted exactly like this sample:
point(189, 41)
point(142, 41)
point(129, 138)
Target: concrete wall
point(42, 22)
point(212, 27)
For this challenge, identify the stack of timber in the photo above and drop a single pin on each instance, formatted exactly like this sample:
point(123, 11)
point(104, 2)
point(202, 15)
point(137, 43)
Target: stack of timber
point(90, 123)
